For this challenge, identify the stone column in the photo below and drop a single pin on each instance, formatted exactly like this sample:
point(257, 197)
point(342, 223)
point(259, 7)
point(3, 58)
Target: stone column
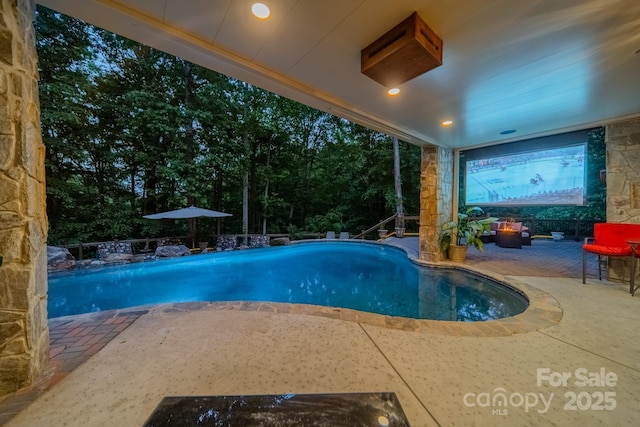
point(623, 183)
point(24, 335)
point(436, 195)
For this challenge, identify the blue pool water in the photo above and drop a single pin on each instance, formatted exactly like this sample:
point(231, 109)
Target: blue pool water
point(366, 277)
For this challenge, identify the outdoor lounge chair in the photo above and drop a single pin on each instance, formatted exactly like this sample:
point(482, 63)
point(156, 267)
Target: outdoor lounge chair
point(525, 236)
point(330, 235)
point(612, 240)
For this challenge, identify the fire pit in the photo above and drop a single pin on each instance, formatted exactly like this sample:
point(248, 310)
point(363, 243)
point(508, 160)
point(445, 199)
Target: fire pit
point(506, 238)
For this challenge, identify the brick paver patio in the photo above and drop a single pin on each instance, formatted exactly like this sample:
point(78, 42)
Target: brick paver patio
point(73, 340)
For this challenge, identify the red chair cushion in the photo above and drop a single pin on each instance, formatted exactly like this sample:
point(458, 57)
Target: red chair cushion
point(608, 250)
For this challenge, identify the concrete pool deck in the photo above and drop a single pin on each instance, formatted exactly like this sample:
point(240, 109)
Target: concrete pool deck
point(442, 377)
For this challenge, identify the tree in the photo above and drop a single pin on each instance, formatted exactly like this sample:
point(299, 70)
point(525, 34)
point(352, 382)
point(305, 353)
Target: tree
point(397, 179)
point(131, 131)
point(63, 46)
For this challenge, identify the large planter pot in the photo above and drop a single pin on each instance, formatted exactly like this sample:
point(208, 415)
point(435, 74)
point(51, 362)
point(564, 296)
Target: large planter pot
point(457, 253)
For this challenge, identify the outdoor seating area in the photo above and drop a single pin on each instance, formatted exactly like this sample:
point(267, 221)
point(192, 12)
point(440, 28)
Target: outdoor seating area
point(508, 234)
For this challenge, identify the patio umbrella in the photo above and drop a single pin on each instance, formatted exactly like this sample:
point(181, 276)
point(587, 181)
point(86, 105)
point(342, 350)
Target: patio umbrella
point(189, 213)
point(185, 213)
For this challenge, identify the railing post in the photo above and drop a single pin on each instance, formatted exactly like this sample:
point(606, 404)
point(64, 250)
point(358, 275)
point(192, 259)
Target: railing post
point(533, 225)
point(80, 251)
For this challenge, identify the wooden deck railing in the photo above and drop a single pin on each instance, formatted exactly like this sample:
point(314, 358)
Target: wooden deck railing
point(408, 219)
point(576, 228)
point(572, 228)
point(378, 226)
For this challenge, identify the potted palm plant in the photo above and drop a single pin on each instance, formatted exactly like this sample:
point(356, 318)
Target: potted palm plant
point(456, 237)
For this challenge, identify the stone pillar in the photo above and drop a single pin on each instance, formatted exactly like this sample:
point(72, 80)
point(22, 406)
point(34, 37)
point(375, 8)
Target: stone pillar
point(24, 335)
point(436, 196)
point(623, 183)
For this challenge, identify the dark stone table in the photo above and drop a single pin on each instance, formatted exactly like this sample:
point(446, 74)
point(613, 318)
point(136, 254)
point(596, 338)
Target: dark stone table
point(348, 409)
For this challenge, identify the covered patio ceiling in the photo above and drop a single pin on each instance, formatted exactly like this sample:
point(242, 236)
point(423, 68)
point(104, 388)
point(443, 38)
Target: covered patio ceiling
point(538, 67)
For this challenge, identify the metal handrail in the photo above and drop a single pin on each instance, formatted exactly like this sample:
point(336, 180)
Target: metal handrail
point(378, 225)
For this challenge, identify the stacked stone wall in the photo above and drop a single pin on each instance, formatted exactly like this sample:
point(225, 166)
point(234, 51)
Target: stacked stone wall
point(24, 336)
point(623, 184)
point(436, 196)
point(623, 172)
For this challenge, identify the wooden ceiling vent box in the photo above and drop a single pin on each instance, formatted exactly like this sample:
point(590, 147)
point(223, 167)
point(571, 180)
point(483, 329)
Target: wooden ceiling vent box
point(407, 50)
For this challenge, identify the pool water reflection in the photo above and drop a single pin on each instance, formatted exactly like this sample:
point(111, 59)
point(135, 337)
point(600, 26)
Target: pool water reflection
point(367, 277)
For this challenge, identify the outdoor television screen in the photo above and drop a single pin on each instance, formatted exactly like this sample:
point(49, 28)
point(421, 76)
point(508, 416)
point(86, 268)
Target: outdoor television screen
point(550, 176)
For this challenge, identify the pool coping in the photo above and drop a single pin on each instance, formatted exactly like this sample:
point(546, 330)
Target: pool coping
point(543, 312)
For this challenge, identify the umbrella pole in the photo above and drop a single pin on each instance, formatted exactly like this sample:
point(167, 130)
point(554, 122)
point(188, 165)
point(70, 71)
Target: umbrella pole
point(192, 232)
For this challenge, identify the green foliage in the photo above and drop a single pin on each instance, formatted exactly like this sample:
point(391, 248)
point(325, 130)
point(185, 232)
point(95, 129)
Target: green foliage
point(130, 131)
point(294, 232)
point(331, 221)
point(466, 228)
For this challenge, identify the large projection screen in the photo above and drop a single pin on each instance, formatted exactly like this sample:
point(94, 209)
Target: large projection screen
point(548, 176)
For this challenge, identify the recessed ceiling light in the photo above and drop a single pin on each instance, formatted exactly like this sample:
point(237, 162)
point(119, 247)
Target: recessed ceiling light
point(260, 10)
point(508, 131)
point(393, 91)
point(447, 123)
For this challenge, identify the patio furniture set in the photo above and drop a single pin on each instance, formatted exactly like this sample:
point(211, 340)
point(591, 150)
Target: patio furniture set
point(506, 234)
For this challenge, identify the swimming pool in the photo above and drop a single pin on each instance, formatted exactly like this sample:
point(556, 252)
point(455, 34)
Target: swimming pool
point(367, 277)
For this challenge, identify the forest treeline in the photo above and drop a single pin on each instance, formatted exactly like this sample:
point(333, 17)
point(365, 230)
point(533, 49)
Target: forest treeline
point(130, 130)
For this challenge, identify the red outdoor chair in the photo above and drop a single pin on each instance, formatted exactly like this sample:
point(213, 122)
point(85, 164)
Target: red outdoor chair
point(612, 240)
